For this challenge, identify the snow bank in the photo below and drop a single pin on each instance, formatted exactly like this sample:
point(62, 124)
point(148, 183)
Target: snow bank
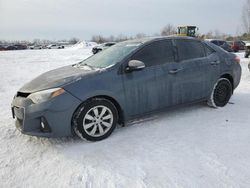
point(194, 146)
point(83, 44)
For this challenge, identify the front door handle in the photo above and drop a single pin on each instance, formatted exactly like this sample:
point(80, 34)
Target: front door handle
point(174, 71)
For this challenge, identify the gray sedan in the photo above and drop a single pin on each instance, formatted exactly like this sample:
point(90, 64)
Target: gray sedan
point(127, 81)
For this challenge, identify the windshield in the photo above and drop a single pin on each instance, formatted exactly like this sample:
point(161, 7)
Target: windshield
point(111, 56)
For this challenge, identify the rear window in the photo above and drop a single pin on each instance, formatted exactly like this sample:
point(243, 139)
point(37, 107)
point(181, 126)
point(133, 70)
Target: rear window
point(190, 49)
point(221, 43)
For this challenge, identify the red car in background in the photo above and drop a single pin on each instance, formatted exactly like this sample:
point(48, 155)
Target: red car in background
point(237, 45)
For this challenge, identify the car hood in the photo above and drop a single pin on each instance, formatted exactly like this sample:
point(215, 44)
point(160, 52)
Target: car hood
point(57, 78)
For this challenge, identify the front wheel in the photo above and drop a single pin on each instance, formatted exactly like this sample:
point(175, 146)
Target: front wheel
point(221, 93)
point(95, 119)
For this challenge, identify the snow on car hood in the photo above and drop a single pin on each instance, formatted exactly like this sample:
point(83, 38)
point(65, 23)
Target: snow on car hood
point(57, 78)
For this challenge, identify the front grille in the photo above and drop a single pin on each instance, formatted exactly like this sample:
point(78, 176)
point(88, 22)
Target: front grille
point(21, 94)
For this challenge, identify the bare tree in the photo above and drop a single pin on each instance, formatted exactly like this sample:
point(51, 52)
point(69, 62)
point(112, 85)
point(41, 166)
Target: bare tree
point(209, 35)
point(37, 41)
point(111, 38)
point(246, 16)
point(98, 39)
point(168, 30)
point(74, 40)
point(140, 35)
point(121, 37)
point(217, 34)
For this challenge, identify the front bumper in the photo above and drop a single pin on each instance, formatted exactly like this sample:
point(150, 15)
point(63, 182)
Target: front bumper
point(48, 119)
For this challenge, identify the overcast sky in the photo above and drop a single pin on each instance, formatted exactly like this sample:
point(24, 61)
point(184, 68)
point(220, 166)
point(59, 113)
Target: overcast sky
point(63, 19)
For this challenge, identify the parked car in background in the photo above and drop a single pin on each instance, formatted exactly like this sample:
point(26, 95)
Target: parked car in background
point(2, 48)
point(17, 47)
point(55, 46)
point(21, 46)
point(221, 43)
point(237, 45)
point(101, 47)
point(11, 47)
point(124, 82)
point(36, 47)
point(247, 50)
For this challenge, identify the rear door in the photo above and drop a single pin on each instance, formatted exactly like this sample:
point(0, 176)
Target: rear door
point(193, 81)
point(167, 75)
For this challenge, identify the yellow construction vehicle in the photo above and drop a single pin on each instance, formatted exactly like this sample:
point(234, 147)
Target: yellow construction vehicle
point(189, 31)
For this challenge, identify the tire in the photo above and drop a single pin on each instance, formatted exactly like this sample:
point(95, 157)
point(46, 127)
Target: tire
point(98, 50)
point(95, 119)
point(221, 93)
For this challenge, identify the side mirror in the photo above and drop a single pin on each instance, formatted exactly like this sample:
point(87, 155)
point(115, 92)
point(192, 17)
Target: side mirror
point(134, 65)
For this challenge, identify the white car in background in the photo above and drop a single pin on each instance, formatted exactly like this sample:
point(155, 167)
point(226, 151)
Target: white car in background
point(101, 47)
point(55, 46)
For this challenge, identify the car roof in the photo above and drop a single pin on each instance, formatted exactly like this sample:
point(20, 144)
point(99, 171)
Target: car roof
point(214, 40)
point(151, 39)
point(109, 43)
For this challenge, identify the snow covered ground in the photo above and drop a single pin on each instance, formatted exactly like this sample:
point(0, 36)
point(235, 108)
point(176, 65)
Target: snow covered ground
point(194, 146)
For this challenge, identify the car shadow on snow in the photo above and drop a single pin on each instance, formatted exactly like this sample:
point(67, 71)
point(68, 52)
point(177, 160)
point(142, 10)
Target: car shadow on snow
point(154, 126)
point(140, 129)
point(122, 133)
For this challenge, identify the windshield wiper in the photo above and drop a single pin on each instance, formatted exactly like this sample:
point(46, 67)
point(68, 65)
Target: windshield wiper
point(79, 65)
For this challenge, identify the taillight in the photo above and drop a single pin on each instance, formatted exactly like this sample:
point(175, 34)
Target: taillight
point(237, 59)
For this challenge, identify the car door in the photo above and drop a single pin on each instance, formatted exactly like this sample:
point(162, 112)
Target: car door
point(140, 87)
point(193, 79)
point(166, 71)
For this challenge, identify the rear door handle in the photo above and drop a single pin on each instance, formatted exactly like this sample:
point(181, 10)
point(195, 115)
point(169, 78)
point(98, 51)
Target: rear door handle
point(174, 71)
point(215, 62)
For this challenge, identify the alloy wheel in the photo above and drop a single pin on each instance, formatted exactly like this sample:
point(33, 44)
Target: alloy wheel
point(98, 121)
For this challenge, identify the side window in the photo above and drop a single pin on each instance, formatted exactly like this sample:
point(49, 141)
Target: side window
point(156, 53)
point(190, 49)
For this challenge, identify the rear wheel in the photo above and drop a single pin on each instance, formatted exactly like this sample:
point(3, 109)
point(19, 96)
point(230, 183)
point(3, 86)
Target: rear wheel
point(95, 119)
point(221, 93)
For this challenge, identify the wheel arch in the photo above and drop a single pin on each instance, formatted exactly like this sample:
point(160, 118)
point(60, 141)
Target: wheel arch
point(230, 78)
point(120, 111)
point(117, 105)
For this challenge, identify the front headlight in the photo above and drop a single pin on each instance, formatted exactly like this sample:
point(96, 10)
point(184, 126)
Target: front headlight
point(42, 96)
